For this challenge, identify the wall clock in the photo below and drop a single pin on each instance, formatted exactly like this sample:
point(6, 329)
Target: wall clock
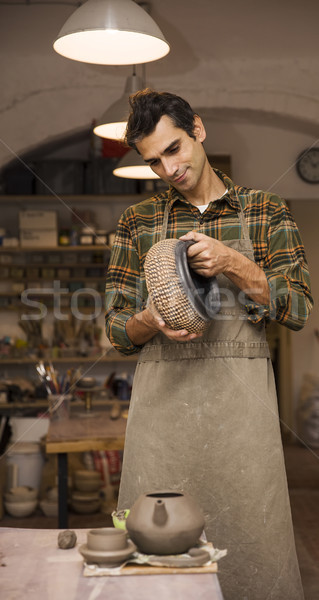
point(308, 165)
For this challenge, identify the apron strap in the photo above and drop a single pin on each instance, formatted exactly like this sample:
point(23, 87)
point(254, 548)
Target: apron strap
point(243, 222)
point(165, 222)
point(244, 226)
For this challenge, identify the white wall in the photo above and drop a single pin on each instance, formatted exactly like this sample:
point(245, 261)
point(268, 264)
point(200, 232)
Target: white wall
point(250, 68)
point(263, 155)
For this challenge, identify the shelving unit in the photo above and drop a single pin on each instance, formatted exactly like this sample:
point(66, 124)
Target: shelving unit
point(109, 358)
point(32, 270)
point(79, 270)
point(25, 200)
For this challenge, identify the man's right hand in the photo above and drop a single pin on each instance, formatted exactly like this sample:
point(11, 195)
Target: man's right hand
point(147, 323)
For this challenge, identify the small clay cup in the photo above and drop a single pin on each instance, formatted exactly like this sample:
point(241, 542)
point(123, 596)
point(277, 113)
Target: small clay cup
point(107, 539)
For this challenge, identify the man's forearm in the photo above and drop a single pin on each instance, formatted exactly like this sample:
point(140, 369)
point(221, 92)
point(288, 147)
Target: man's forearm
point(249, 277)
point(141, 327)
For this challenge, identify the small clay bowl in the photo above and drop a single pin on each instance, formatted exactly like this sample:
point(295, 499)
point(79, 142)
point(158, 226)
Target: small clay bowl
point(49, 508)
point(87, 475)
point(53, 494)
point(91, 485)
point(85, 502)
point(86, 382)
point(107, 539)
point(20, 509)
point(21, 493)
point(85, 496)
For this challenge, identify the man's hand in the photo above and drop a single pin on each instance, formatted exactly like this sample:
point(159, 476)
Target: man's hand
point(210, 257)
point(144, 325)
point(181, 335)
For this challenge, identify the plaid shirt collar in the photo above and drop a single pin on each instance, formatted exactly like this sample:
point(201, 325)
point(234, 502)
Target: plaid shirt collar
point(231, 196)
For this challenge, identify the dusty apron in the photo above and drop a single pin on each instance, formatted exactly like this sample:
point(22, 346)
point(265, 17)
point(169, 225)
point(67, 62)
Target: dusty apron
point(203, 419)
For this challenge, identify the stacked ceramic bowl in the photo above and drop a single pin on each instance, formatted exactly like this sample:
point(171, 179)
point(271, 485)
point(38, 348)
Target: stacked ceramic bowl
point(86, 495)
point(49, 504)
point(21, 501)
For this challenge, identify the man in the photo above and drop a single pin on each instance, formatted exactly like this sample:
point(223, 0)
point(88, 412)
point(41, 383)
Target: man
point(203, 415)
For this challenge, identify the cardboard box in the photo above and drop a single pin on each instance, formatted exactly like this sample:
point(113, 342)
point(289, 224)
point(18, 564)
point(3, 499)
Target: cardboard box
point(38, 238)
point(37, 219)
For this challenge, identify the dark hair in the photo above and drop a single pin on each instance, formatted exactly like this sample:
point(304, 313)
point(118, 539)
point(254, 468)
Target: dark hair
point(149, 106)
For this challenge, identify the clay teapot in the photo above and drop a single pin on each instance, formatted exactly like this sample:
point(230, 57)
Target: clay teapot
point(166, 522)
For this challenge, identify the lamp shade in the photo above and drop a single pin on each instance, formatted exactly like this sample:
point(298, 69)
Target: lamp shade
point(113, 122)
point(132, 166)
point(111, 32)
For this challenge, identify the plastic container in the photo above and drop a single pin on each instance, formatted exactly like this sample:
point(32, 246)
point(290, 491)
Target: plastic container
point(28, 461)
point(59, 406)
point(64, 237)
point(28, 429)
point(86, 237)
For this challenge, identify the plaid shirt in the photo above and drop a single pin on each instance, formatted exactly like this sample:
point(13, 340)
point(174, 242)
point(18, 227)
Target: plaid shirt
point(277, 245)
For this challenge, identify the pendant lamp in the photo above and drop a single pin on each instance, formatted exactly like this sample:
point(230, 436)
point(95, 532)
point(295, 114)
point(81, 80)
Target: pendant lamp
point(113, 122)
point(111, 32)
point(132, 166)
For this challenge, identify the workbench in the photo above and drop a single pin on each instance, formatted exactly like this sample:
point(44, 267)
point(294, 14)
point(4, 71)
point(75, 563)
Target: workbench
point(32, 566)
point(80, 433)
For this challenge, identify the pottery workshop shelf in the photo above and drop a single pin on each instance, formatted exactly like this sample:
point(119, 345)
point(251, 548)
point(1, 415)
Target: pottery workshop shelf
point(45, 199)
point(35, 407)
point(30, 273)
point(112, 357)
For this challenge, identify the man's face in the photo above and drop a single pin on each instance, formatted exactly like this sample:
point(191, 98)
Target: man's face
point(173, 155)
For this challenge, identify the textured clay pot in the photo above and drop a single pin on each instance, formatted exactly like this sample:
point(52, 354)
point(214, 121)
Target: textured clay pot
point(183, 298)
point(166, 522)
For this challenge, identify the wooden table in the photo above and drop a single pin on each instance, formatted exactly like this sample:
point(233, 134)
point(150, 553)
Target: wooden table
point(36, 568)
point(80, 433)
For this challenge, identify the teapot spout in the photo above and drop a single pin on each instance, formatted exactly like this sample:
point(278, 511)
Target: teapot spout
point(160, 514)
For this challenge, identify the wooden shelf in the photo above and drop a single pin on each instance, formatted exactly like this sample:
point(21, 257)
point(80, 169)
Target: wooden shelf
point(42, 293)
point(37, 405)
point(78, 198)
point(33, 279)
point(74, 359)
point(83, 248)
point(60, 265)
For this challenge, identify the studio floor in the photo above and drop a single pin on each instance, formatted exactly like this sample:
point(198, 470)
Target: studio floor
point(302, 466)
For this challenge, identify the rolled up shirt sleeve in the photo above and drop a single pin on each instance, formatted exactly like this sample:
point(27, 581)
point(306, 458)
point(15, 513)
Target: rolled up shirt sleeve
point(125, 289)
point(286, 269)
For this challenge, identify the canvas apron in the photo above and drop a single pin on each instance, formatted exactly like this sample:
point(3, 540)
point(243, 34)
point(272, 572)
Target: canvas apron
point(203, 419)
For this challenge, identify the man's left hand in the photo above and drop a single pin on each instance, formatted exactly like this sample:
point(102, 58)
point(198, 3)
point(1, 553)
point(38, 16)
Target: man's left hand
point(208, 256)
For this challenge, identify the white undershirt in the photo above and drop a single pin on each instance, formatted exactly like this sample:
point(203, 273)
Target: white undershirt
point(203, 207)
